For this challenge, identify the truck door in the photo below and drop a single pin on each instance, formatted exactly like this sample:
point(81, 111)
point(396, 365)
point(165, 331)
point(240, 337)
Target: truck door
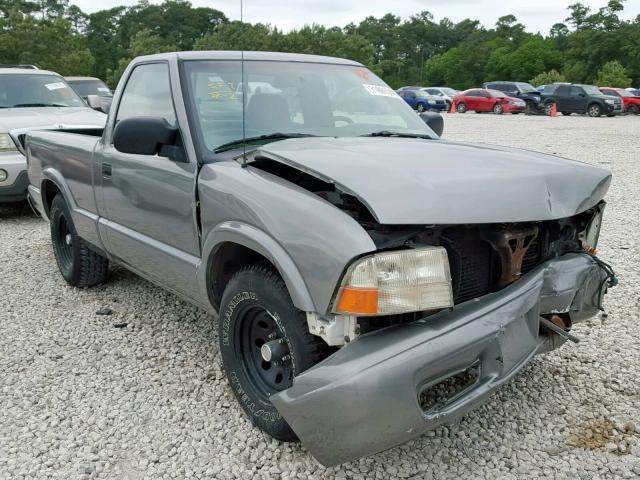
point(149, 201)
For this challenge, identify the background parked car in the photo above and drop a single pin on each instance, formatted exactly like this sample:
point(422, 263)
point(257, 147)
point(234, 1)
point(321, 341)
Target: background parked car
point(91, 86)
point(29, 99)
point(521, 90)
point(445, 92)
point(631, 102)
point(634, 91)
point(420, 100)
point(487, 100)
point(574, 98)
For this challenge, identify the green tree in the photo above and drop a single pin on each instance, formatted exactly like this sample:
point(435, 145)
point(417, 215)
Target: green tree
point(143, 43)
point(613, 74)
point(546, 78)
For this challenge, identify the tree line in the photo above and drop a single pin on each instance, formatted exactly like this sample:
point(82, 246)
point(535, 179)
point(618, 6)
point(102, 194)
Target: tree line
point(588, 46)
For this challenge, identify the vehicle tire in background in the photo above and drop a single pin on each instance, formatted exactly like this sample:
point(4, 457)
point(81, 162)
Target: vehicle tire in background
point(594, 110)
point(529, 108)
point(448, 109)
point(461, 107)
point(566, 113)
point(79, 265)
point(264, 343)
point(421, 107)
point(633, 109)
point(497, 109)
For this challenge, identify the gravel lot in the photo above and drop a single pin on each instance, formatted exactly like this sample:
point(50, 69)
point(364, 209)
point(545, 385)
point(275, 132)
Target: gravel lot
point(140, 393)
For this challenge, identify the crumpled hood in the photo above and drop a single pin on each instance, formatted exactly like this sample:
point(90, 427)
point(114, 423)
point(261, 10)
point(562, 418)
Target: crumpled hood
point(29, 117)
point(417, 181)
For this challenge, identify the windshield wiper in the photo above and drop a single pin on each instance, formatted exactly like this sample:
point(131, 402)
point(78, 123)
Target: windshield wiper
point(39, 105)
point(388, 133)
point(271, 136)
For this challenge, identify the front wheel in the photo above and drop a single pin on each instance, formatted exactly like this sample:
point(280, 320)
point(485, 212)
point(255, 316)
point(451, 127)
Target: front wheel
point(461, 107)
point(264, 342)
point(594, 110)
point(79, 265)
point(421, 107)
point(633, 109)
point(497, 109)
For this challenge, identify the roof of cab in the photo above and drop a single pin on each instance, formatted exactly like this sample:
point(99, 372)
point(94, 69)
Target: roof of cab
point(247, 55)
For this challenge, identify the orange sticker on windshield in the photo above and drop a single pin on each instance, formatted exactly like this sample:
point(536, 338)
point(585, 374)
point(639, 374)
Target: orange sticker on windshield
point(362, 73)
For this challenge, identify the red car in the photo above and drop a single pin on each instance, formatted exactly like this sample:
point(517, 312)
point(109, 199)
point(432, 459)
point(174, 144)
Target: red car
point(631, 102)
point(487, 100)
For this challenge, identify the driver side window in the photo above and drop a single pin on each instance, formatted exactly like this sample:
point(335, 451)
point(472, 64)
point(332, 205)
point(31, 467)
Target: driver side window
point(147, 94)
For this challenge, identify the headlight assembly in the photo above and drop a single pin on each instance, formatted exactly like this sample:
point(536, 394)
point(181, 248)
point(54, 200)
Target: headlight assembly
point(610, 102)
point(6, 143)
point(589, 236)
point(396, 282)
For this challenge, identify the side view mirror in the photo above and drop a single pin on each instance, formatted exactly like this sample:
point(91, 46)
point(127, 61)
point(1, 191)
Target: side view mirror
point(148, 136)
point(101, 104)
point(434, 121)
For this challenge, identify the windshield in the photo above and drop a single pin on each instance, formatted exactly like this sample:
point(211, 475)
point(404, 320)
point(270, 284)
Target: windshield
point(293, 98)
point(36, 90)
point(591, 90)
point(527, 88)
point(90, 87)
point(623, 93)
point(450, 92)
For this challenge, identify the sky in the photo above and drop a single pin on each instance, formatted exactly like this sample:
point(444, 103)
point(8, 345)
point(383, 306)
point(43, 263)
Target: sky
point(537, 15)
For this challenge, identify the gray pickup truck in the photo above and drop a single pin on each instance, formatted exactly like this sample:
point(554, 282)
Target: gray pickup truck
point(371, 280)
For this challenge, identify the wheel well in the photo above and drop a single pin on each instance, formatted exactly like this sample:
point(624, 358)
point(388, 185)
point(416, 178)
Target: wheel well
point(227, 259)
point(49, 191)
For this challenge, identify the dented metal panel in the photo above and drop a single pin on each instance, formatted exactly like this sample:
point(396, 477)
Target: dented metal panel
point(413, 181)
point(367, 396)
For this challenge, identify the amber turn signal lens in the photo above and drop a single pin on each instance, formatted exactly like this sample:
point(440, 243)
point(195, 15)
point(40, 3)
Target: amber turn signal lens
point(361, 301)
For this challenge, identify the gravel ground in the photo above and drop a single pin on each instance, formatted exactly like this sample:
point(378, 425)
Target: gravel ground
point(140, 393)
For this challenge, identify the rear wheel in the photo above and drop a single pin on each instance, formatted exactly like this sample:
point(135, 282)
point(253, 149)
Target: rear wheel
point(264, 342)
point(497, 109)
point(79, 265)
point(461, 107)
point(594, 110)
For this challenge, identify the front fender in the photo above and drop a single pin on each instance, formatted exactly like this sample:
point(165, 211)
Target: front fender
point(260, 242)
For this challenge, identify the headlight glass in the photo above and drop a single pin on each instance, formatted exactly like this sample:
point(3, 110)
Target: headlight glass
point(6, 143)
point(396, 282)
point(589, 237)
point(611, 102)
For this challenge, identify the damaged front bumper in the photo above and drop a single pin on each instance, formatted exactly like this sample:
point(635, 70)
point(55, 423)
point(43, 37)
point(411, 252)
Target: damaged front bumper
point(394, 384)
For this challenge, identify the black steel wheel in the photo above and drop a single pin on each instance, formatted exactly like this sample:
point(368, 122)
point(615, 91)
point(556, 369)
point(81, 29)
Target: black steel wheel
point(79, 265)
point(261, 343)
point(264, 343)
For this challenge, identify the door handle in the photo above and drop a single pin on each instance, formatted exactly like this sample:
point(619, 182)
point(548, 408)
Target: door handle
point(106, 170)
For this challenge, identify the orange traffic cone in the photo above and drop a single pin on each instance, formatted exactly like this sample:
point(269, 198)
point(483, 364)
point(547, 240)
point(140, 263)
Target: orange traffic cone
point(453, 108)
point(554, 110)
